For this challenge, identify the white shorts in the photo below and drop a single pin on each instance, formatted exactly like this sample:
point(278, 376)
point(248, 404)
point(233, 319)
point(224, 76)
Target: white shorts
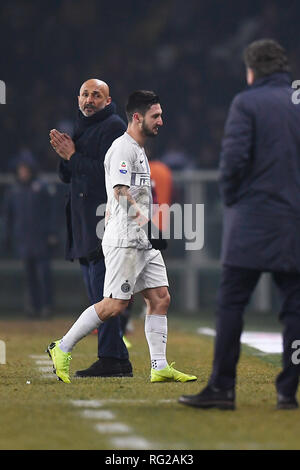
point(129, 271)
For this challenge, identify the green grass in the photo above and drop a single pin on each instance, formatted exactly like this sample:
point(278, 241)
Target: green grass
point(40, 415)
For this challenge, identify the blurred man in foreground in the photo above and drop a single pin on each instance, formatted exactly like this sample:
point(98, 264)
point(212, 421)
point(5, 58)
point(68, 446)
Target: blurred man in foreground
point(260, 189)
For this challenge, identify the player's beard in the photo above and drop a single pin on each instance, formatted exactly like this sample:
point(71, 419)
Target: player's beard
point(147, 131)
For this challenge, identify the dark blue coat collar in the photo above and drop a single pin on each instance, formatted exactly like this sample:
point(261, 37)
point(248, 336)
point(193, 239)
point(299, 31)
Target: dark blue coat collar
point(275, 79)
point(83, 121)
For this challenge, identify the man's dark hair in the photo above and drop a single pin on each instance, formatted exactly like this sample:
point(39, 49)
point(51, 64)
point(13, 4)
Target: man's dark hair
point(265, 57)
point(139, 102)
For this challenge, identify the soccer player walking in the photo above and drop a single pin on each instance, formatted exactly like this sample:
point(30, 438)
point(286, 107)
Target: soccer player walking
point(132, 265)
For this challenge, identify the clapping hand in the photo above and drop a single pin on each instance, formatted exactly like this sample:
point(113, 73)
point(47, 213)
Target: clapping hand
point(62, 144)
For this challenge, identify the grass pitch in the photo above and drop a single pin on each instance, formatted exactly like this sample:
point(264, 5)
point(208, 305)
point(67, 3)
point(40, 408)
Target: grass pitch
point(132, 413)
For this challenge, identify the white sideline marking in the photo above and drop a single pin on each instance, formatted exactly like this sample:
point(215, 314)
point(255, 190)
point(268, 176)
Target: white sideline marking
point(37, 356)
point(45, 369)
point(98, 414)
point(44, 362)
point(265, 342)
point(206, 331)
point(87, 403)
point(131, 442)
point(49, 376)
point(99, 403)
point(89, 411)
point(134, 402)
point(112, 428)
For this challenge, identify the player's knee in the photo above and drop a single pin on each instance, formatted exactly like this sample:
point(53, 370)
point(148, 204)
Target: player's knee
point(109, 308)
point(167, 300)
point(118, 307)
point(164, 301)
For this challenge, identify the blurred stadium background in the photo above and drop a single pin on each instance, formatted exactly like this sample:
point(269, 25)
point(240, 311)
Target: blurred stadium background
point(189, 52)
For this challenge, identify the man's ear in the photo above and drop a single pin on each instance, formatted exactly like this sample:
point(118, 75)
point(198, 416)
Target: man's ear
point(250, 76)
point(136, 117)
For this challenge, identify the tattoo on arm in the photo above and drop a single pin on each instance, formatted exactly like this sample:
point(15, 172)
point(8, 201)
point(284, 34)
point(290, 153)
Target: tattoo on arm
point(122, 191)
point(124, 197)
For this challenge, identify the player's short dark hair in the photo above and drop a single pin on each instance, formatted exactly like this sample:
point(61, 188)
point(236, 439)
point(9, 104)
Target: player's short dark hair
point(266, 56)
point(139, 102)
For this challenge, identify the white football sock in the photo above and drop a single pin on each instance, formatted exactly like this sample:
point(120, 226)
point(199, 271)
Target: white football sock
point(85, 324)
point(156, 331)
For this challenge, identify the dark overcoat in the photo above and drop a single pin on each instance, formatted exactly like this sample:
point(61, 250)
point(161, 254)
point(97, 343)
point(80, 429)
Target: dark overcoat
point(84, 173)
point(260, 178)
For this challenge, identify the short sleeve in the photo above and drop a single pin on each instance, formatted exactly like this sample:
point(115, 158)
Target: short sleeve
point(120, 164)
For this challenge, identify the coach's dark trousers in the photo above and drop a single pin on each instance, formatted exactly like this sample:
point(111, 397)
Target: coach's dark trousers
point(236, 287)
point(110, 342)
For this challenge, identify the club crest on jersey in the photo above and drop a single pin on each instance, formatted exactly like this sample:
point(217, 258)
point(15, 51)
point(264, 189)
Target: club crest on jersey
point(123, 167)
point(125, 287)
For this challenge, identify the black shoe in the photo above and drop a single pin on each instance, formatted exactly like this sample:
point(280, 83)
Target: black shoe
point(210, 397)
point(286, 403)
point(107, 367)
